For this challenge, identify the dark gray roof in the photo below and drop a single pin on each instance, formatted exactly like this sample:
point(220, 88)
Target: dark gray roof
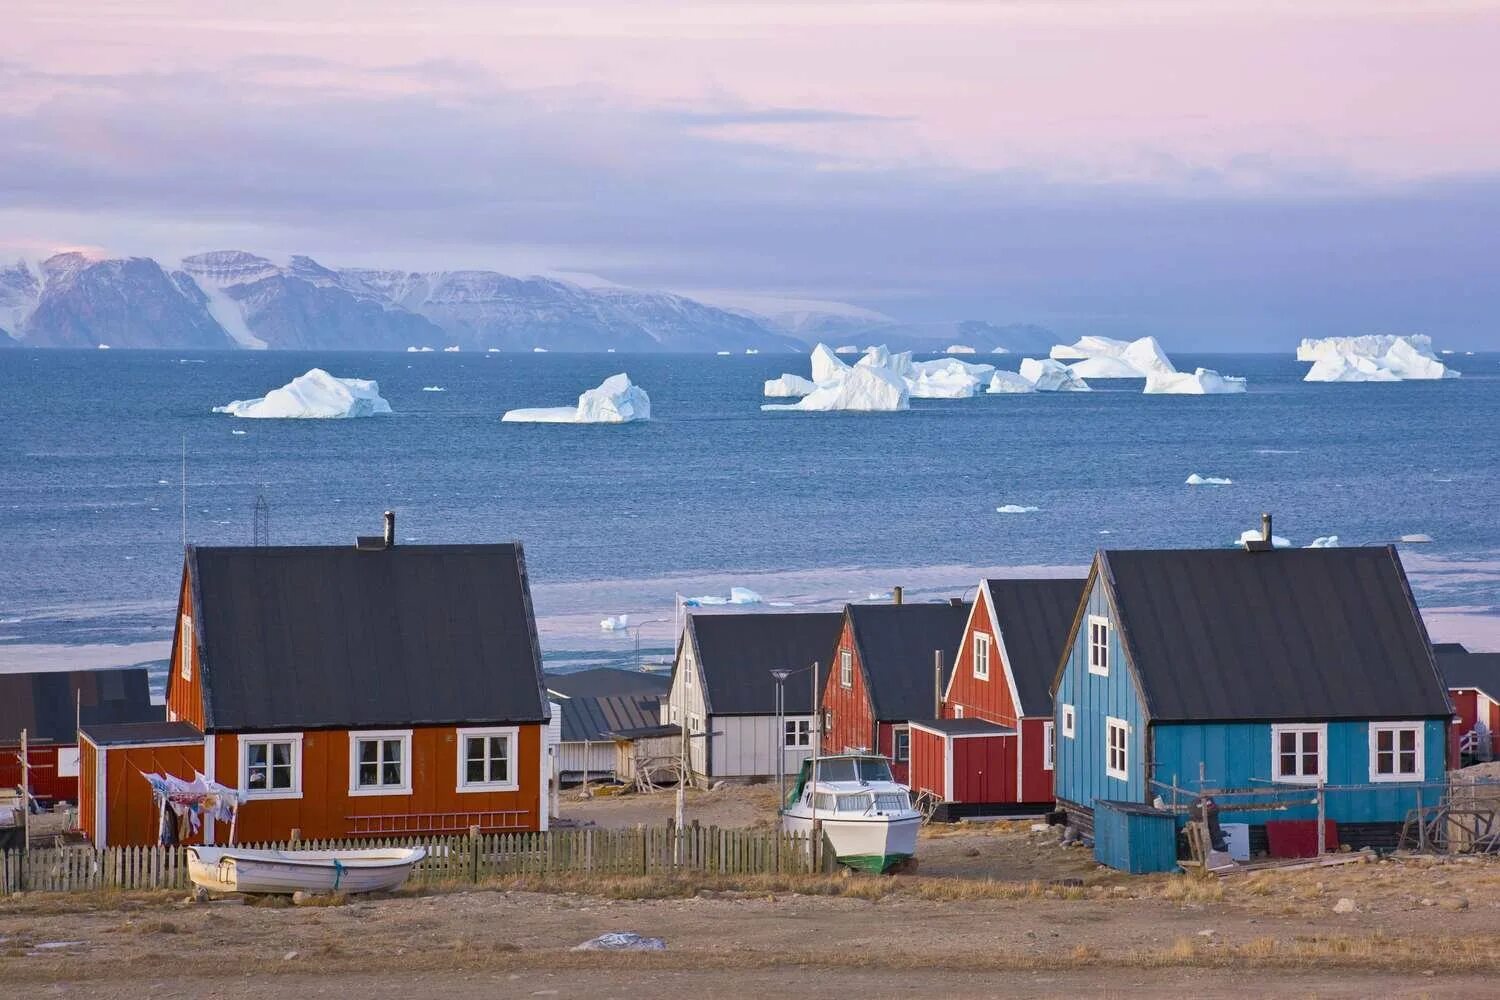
point(737, 652)
point(121, 734)
point(590, 718)
point(896, 643)
point(963, 727)
point(48, 705)
point(646, 732)
point(1034, 618)
point(1463, 669)
point(601, 681)
point(1288, 634)
point(307, 637)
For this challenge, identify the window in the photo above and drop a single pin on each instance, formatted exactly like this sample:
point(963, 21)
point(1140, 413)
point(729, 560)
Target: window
point(1396, 751)
point(695, 724)
point(982, 657)
point(958, 711)
point(846, 668)
point(1117, 748)
point(1098, 645)
point(380, 763)
point(1068, 721)
point(271, 766)
point(857, 803)
point(185, 648)
point(675, 716)
point(487, 760)
point(1298, 754)
point(901, 740)
point(1049, 748)
point(798, 732)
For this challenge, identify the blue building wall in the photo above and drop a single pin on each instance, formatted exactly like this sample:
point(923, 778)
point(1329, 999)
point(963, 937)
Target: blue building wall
point(1134, 838)
point(1080, 776)
point(1238, 756)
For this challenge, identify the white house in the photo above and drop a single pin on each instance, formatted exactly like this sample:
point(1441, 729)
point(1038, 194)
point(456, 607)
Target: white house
point(723, 690)
point(590, 706)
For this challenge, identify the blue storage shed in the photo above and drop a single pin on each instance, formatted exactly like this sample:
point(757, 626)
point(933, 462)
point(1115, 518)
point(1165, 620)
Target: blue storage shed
point(1134, 838)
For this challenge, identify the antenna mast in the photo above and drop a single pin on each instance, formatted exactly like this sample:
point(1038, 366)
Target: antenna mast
point(184, 492)
point(261, 530)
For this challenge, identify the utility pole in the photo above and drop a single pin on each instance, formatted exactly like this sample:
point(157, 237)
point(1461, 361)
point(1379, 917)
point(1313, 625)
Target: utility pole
point(25, 795)
point(780, 675)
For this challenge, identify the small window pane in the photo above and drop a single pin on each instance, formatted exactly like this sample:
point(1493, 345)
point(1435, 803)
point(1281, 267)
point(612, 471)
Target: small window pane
point(1408, 740)
point(367, 773)
point(281, 754)
point(474, 771)
point(369, 750)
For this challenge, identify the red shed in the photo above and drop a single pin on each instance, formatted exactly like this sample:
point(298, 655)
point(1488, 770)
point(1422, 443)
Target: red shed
point(1473, 681)
point(882, 676)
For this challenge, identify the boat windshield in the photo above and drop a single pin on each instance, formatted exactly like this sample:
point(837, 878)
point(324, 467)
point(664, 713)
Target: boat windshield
point(854, 769)
point(857, 803)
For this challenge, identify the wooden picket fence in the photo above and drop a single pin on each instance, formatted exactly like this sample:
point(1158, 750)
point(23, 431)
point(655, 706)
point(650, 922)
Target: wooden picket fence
point(451, 860)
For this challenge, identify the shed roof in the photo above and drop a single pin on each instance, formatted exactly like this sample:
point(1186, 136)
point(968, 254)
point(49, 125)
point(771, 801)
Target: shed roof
point(591, 718)
point(1288, 634)
point(120, 734)
point(964, 727)
point(896, 643)
point(603, 681)
point(1033, 618)
point(307, 637)
point(1463, 669)
point(737, 652)
point(48, 705)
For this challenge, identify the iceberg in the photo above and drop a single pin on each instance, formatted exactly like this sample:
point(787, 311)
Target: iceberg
point(1416, 539)
point(1254, 535)
point(958, 349)
point(1377, 358)
point(316, 394)
point(538, 350)
point(1005, 381)
point(433, 388)
point(826, 365)
point(103, 347)
point(616, 400)
point(1049, 375)
point(946, 378)
point(615, 623)
point(451, 350)
point(1014, 508)
point(723, 354)
point(1197, 480)
point(788, 386)
point(863, 390)
point(1199, 382)
point(737, 595)
point(419, 350)
point(1105, 357)
point(846, 349)
point(881, 357)
point(1001, 350)
point(752, 350)
point(1324, 542)
point(492, 350)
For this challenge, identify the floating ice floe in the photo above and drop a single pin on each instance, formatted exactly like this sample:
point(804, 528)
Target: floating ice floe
point(419, 350)
point(958, 349)
point(538, 350)
point(103, 347)
point(789, 386)
point(752, 350)
point(615, 623)
point(1324, 542)
point(316, 394)
point(1015, 508)
point(1001, 350)
point(1049, 375)
point(1005, 381)
point(884, 595)
point(1416, 539)
point(451, 350)
point(723, 354)
point(492, 350)
point(617, 400)
point(737, 595)
point(1197, 480)
point(860, 389)
point(433, 388)
point(846, 349)
point(1379, 358)
point(1200, 382)
point(1254, 535)
point(1106, 357)
point(237, 432)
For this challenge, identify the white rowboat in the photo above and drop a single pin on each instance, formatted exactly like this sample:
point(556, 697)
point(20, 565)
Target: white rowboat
point(233, 869)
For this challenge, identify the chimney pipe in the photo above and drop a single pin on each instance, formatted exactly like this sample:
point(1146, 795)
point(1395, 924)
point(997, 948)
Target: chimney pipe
point(390, 529)
point(937, 683)
point(895, 595)
point(1265, 528)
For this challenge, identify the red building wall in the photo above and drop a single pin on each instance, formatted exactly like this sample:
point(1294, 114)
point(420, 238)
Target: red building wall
point(990, 699)
point(1036, 779)
point(849, 716)
point(1466, 703)
point(46, 783)
point(130, 811)
point(928, 763)
point(984, 769)
point(185, 696)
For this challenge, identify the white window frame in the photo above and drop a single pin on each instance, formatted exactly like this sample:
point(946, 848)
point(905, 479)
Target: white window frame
point(185, 648)
point(1049, 746)
point(695, 724)
point(513, 753)
point(958, 711)
point(981, 656)
point(800, 736)
point(846, 668)
point(1069, 721)
point(1396, 728)
point(896, 733)
point(355, 737)
point(675, 715)
point(1100, 665)
point(1111, 725)
point(295, 739)
point(1277, 729)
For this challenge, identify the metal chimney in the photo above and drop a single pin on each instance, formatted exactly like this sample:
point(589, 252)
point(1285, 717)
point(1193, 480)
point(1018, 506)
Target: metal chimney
point(390, 529)
point(895, 595)
point(1265, 528)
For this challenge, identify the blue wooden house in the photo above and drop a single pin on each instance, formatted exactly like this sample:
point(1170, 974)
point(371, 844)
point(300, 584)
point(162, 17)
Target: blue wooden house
point(1258, 670)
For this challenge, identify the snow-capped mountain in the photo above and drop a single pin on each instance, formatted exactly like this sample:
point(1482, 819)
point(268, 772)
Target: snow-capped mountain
point(230, 298)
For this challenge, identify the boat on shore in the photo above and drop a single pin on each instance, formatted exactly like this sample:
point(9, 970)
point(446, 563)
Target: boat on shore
point(867, 816)
point(234, 869)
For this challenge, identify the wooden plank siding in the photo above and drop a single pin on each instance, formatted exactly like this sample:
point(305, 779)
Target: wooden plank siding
point(130, 814)
point(185, 696)
point(928, 770)
point(849, 714)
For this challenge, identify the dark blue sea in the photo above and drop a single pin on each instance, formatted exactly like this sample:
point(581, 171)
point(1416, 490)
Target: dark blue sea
point(806, 509)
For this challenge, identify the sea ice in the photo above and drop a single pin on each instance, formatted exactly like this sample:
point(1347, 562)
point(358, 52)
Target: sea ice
point(958, 349)
point(1014, 508)
point(1254, 535)
point(615, 623)
point(1049, 375)
point(433, 388)
point(789, 386)
point(1007, 381)
point(616, 400)
point(723, 354)
point(1200, 382)
point(419, 350)
point(862, 389)
point(1415, 539)
point(1197, 480)
point(451, 350)
point(737, 595)
point(1380, 358)
point(316, 394)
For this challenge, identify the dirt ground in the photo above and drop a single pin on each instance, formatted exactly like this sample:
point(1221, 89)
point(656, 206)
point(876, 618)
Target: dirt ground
point(995, 910)
point(749, 806)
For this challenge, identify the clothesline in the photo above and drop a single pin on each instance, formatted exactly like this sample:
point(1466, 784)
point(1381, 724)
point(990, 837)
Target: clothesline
point(189, 800)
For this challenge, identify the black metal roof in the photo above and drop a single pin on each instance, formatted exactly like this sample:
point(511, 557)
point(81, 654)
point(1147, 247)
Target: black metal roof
point(646, 732)
point(963, 727)
point(737, 652)
point(1033, 618)
point(48, 705)
point(1287, 634)
point(896, 643)
point(603, 681)
point(307, 637)
point(591, 718)
point(120, 734)
point(1463, 669)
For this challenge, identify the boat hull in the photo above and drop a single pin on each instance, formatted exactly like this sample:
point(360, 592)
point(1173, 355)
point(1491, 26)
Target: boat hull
point(220, 869)
point(873, 844)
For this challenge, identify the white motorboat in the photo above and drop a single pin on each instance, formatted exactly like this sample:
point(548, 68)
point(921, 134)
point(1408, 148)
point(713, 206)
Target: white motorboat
point(234, 869)
point(867, 816)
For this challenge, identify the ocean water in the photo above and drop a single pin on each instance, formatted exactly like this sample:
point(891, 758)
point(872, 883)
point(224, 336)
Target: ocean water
point(808, 509)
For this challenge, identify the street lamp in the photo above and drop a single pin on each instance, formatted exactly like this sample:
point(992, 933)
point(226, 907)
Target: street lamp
point(780, 675)
point(637, 629)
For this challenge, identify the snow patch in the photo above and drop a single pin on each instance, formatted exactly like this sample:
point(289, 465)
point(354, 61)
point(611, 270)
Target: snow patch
point(846, 349)
point(616, 400)
point(315, 395)
point(1415, 539)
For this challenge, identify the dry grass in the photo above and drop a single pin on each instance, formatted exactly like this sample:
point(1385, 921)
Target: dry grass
point(867, 887)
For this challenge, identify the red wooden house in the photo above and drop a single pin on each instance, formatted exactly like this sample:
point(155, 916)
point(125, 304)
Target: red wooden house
point(347, 691)
point(1473, 681)
point(883, 676)
point(992, 749)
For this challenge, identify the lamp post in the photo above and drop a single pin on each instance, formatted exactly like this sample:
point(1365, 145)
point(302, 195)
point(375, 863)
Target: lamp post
point(780, 675)
point(636, 628)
